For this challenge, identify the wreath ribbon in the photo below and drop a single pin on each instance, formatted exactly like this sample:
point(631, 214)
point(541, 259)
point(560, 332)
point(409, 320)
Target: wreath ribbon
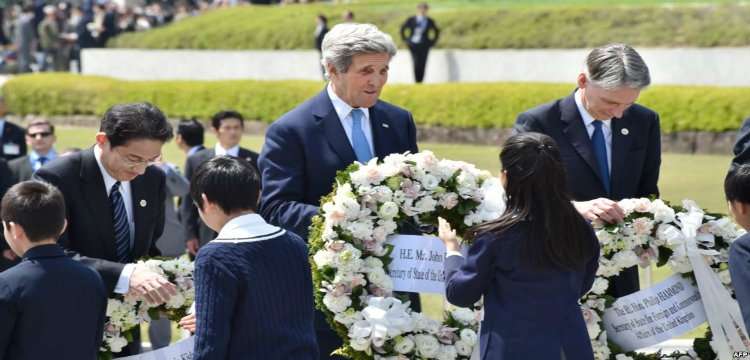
point(722, 311)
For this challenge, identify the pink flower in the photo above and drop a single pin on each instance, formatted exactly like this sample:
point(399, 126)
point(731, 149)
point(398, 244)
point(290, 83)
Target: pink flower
point(645, 256)
point(410, 189)
point(450, 200)
point(447, 335)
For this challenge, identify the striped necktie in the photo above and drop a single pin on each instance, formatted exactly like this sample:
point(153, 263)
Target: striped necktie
point(120, 221)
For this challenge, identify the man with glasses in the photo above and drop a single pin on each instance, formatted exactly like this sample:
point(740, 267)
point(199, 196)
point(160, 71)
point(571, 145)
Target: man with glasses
point(114, 201)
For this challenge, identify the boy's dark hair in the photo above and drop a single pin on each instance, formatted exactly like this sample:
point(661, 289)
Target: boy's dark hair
point(191, 131)
point(229, 181)
point(226, 114)
point(142, 120)
point(537, 189)
point(37, 206)
point(737, 184)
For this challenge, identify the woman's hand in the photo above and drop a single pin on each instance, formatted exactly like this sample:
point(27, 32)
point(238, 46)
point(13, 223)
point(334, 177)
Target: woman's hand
point(448, 236)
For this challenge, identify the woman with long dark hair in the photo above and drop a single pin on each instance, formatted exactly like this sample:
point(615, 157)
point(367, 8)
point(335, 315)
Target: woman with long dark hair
point(532, 264)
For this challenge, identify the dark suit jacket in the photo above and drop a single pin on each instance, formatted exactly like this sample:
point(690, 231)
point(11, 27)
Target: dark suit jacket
point(429, 37)
point(192, 224)
point(739, 270)
point(13, 135)
point(742, 145)
point(305, 148)
point(636, 149)
point(52, 307)
point(636, 156)
point(21, 169)
point(90, 231)
point(6, 181)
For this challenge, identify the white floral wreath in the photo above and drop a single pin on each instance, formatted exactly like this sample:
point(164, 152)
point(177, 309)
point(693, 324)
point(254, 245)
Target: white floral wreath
point(124, 312)
point(370, 201)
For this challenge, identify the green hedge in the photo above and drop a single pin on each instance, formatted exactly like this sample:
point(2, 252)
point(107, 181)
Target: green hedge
point(464, 26)
point(480, 105)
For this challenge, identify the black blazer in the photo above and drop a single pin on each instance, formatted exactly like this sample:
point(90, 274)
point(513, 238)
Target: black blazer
point(430, 36)
point(636, 149)
point(191, 221)
point(21, 168)
point(13, 136)
point(90, 233)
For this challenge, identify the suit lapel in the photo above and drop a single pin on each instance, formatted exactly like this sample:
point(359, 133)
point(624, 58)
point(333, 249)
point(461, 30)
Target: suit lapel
point(330, 126)
point(382, 132)
point(95, 196)
point(575, 131)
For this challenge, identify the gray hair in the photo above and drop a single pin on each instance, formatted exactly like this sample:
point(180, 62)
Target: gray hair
point(614, 66)
point(344, 41)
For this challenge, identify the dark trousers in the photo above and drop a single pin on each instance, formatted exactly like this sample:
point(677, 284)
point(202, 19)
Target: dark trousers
point(419, 57)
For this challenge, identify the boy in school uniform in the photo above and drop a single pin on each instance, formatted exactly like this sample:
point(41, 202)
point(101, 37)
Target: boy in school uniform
point(737, 190)
point(51, 306)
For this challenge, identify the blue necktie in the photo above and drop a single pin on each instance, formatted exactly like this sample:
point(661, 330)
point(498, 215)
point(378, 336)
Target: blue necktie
point(359, 141)
point(600, 148)
point(120, 220)
point(39, 162)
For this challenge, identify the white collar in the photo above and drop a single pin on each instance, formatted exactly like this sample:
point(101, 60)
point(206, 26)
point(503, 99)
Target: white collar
point(587, 118)
point(247, 228)
point(342, 108)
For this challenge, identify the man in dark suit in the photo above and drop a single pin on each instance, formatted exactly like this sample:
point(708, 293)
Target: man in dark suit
point(50, 292)
point(741, 146)
point(12, 138)
point(229, 126)
point(420, 33)
point(305, 147)
point(40, 135)
point(101, 182)
point(8, 257)
point(608, 87)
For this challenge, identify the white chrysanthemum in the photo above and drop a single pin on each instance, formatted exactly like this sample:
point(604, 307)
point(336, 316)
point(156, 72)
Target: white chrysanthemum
point(464, 316)
point(425, 323)
point(372, 263)
point(379, 278)
point(662, 212)
point(427, 345)
point(404, 345)
point(600, 286)
point(336, 304)
point(348, 317)
point(176, 301)
point(468, 336)
point(116, 343)
point(463, 348)
point(323, 258)
point(447, 352)
point(426, 204)
point(625, 259)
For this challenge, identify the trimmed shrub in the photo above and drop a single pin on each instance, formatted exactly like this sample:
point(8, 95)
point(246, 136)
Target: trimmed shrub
point(479, 105)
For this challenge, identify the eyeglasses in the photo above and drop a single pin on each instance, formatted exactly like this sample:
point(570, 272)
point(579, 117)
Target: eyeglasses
point(43, 134)
point(132, 163)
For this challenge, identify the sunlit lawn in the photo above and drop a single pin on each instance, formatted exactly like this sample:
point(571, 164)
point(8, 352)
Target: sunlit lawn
point(696, 177)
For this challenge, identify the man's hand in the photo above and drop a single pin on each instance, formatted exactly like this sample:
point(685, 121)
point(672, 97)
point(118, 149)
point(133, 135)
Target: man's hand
point(154, 287)
point(601, 211)
point(9, 254)
point(192, 246)
point(188, 323)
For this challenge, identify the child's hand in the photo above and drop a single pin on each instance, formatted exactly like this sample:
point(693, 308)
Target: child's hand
point(448, 235)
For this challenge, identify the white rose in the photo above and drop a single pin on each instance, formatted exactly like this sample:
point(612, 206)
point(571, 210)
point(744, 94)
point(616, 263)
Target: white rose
point(425, 323)
point(388, 210)
point(426, 204)
point(427, 345)
point(430, 182)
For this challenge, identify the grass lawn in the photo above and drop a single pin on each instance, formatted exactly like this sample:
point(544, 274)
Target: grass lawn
point(696, 177)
